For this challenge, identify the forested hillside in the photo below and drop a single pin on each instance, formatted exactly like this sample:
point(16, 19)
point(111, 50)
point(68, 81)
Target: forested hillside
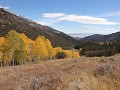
point(92, 49)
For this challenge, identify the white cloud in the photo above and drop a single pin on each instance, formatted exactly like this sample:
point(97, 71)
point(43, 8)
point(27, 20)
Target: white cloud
point(5, 7)
point(53, 15)
point(78, 18)
point(87, 20)
point(89, 27)
point(112, 14)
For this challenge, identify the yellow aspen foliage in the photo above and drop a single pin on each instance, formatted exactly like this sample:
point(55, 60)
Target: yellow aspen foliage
point(1, 55)
point(17, 48)
point(75, 54)
point(43, 38)
point(1, 40)
point(28, 46)
point(7, 57)
point(68, 53)
point(26, 39)
point(58, 49)
point(13, 43)
point(39, 49)
point(50, 49)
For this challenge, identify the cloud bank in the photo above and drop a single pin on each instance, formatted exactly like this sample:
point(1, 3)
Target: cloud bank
point(53, 15)
point(78, 18)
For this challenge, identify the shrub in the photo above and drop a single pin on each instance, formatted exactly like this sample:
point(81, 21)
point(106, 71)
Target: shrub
point(107, 70)
point(99, 53)
point(61, 55)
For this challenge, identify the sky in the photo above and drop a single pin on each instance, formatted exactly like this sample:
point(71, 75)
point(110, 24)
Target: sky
point(70, 16)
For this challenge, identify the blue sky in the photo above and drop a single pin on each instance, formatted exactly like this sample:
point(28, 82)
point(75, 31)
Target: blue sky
point(70, 16)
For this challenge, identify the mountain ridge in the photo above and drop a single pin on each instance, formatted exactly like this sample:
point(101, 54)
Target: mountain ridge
point(10, 21)
point(80, 35)
point(102, 38)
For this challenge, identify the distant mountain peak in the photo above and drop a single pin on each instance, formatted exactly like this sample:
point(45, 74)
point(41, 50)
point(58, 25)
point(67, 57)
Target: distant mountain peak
point(80, 35)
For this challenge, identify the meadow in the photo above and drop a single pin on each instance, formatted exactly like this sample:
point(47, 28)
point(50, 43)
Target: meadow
point(85, 73)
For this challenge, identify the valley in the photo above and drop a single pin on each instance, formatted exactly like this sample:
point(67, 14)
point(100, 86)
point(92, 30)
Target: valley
point(37, 51)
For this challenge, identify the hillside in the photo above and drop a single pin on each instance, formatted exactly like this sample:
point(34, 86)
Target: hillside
point(69, 74)
point(10, 21)
point(102, 38)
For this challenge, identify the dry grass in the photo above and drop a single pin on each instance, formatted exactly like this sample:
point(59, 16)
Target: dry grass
point(71, 74)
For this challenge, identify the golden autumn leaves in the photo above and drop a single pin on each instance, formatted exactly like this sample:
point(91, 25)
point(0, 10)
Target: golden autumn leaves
point(17, 49)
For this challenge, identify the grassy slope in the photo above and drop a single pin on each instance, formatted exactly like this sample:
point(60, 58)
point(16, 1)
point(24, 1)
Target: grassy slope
point(75, 74)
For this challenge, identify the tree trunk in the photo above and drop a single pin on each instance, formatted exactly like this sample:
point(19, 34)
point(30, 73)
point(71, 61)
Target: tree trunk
point(13, 59)
point(1, 63)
